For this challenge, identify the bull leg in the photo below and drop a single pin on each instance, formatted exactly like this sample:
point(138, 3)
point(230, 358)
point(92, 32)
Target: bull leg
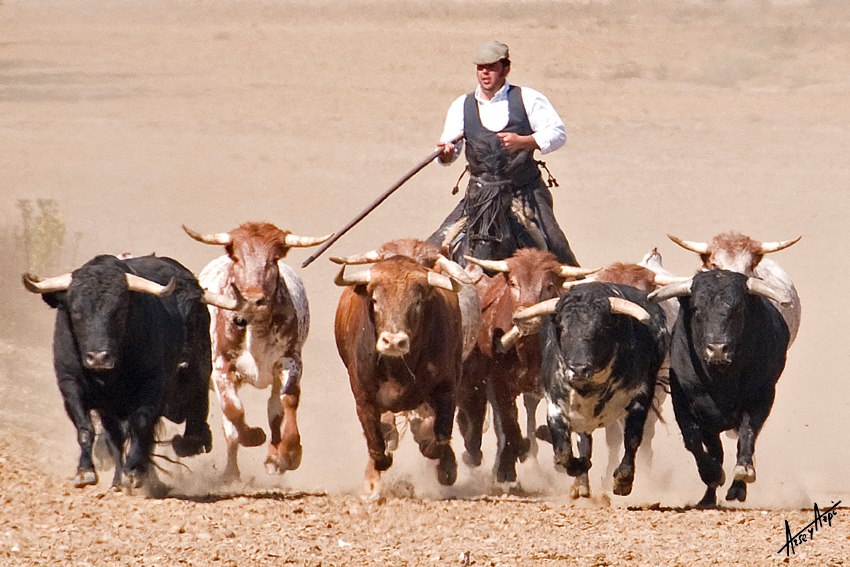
point(531, 400)
point(140, 432)
point(624, 476)
point(745, 472)
point(471, 407)
point(389, 430)
point(236, 431)
point(379, 459)
point(80, 416)
point(197, 437)
point(613, 440)
point(560, 433)
point(289, 450)
point(114, 436)
point(581, 485)
point(442, 400)
point(511, 445)
point(709, 462)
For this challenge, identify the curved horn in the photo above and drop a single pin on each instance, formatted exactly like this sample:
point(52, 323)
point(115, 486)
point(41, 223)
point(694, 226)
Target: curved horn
point(443, 281)
point(543, 308)
point(698, 247)
point(575, 271)
point(224, 302)
point(572, 283)
point(360, 278)
point(681, 289)
point(369, 257)
point(759, 287)
point(665, 279)
point(217, 238)
point(454, 270)
point(142, 285)
point(509, 339)
point(630, 308)
point(36, 284)
point(492, 265)
point(768, 247)
point(295, 241)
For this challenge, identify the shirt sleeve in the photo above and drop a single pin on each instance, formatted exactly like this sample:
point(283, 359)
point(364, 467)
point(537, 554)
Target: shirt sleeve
point(453, 126)
point(549, 132)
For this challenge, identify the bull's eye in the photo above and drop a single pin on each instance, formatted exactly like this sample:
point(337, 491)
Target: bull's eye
point(240, 322)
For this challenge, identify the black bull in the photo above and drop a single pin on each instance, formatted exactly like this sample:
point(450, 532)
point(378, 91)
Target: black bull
point(133, 355)
point(727, 353)
point(602, 349)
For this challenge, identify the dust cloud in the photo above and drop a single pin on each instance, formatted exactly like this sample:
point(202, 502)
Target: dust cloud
point(684, 117)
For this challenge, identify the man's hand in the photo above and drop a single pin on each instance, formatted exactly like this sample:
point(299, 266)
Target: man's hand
point(515, 143)
point(448, 152)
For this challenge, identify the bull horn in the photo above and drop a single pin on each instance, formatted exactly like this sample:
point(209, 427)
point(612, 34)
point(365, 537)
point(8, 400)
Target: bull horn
point(664, 279)
point(223, 301)
point(698, 247)
point(538, 309)
point(216, 238)
point(369, 257)
point(572, 283)
point(575, 271)
point(492, 265)
point(768, 247)
point(759, 287)
point(295, 241)
point(36, 284)
point(509, 339)
point(681, 289)
point(142, 285)
point(454, 270)
point(360, 278)
point(443, 281)
point(630, 308)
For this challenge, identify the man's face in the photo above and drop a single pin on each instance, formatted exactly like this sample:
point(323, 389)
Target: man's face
point(491, 76)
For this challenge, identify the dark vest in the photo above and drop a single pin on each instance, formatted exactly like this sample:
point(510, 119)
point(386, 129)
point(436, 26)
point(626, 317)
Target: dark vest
point(484, 152)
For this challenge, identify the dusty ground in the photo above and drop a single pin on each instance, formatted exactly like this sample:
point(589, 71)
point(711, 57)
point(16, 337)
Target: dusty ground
point(688, 117)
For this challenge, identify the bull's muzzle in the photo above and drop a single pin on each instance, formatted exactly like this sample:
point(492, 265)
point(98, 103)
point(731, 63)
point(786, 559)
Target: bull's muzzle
point(393, 344)
point(98, 360)
point(717, 354)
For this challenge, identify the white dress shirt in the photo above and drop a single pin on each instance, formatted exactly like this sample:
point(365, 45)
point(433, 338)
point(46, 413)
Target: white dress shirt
point(547, 126)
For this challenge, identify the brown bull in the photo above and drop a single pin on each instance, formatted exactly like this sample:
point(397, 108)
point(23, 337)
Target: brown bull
point(528, 277)
point(261, 345)
point(398, 332)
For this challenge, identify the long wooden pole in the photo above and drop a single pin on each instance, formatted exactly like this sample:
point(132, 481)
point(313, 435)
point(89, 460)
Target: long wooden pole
point(336, 235)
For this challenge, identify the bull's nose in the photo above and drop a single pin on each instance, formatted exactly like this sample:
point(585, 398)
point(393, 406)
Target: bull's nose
point(393, 344)
point(579, 371)
point(98, 360)
point(717, 353)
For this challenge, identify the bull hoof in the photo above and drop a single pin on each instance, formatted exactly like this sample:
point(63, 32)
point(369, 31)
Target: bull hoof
point(383, 462)
point(709, 499)
point(580, 488)
point(84, 478)
point(272, 465)
point(543, 433)
point(191, 445)
point(738, 491)
point(624, 478)
point(230, 475)
point(447, 468)
point(431, 450)
point(291, 459)
point(390, 436)
point(578, 466)
point(252, 437)
point(745, 473)
point(472, 460)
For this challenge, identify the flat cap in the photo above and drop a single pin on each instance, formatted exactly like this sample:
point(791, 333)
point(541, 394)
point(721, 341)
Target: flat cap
point(490, 52)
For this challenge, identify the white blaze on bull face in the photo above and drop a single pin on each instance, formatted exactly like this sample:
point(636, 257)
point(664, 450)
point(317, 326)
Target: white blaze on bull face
point(737, 261)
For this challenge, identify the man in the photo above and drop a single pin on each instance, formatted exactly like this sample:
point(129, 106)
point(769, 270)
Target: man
point(510, 122)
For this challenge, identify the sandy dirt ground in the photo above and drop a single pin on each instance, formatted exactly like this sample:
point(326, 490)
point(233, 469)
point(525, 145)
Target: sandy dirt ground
point(689, 117)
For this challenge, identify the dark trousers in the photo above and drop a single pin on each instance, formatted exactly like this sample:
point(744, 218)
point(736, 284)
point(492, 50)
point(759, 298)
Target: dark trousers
point(541, 221)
